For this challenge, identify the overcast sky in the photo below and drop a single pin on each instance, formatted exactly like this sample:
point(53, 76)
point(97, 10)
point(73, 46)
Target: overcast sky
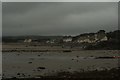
point(60, 0)
point(50, 18)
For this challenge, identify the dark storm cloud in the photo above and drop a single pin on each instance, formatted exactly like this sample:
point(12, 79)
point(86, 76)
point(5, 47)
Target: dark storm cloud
point(17, 8)
point(58, 18)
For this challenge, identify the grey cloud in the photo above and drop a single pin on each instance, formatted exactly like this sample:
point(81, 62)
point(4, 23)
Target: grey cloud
point(58, 18)
point(17, 7)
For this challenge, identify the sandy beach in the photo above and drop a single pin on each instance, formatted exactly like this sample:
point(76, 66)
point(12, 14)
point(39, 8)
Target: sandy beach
point(33, 64)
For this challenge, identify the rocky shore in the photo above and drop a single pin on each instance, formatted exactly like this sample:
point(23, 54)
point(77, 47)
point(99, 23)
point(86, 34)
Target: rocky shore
point(112, 74)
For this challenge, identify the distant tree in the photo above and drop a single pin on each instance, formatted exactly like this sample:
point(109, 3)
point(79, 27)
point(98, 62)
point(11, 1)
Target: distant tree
point(114, 35)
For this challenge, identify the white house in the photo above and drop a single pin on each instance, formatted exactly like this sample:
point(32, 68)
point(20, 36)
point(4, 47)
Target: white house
point(28, 40)
point(104, 38)
point(50, 41)
point(67, 39)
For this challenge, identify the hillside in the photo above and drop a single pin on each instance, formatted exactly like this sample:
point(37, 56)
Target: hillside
point(111, 44)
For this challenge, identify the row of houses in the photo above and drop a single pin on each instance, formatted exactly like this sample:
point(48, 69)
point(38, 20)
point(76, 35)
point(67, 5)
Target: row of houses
point(83, 38)
point(87, 37)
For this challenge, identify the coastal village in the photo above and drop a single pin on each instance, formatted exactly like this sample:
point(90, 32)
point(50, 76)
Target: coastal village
point(83, 38)
point(98, 40)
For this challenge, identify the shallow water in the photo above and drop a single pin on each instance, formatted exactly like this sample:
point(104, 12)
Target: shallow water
point(27, 63)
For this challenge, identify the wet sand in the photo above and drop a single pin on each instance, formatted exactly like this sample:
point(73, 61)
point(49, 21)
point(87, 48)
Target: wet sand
point(33, 64)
